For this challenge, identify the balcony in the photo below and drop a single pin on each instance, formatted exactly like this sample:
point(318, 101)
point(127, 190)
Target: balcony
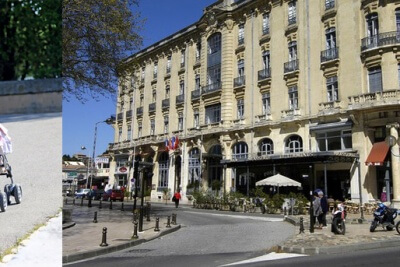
point(381, 39)
point(120, 116)
point(377, 99)
point(264, 74)
point(330, 54)
point(165, 103)
point(152, 107)
point(180, 99)
point(214, 87)
point(290, 113)
point(239, 81)
point(139, 111)
point(128, 114)
point(291, 66)
point(196, 94)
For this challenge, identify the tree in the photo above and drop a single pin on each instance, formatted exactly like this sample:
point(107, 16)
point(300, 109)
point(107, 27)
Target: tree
point(30, 39)
point(97, 35)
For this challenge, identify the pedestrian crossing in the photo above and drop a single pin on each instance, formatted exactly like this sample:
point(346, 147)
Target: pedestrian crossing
point(268, 257)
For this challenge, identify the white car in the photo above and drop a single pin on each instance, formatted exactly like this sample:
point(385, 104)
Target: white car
point(81, 193)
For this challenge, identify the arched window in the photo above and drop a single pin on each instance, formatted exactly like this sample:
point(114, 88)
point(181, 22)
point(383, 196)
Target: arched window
point(240, 151)
point(266, 147)
point(294, 144)
point(214, 43)
point(214, 61)
point(194, 165)
point(163, 168)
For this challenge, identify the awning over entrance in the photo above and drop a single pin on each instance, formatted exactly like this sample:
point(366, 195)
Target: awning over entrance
point(378, 154)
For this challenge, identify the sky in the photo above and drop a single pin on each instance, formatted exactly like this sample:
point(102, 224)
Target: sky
point(163, 18)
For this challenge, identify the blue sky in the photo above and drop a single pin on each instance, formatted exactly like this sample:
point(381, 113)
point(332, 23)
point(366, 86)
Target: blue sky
point(163, 18)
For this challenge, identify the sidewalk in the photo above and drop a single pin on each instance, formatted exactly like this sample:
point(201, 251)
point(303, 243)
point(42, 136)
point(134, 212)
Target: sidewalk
point(323, 241)
point(82, 237)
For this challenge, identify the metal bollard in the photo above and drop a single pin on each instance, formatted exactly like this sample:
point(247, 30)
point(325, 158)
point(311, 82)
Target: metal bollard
point(173, 219)
point(169, 222)
point(148, 215)
point(66, 200)
point(284, 211)
point(122, 206)
point(81, 202)
point(104, 238)
point(100, 204)
point(111, 204)
point(135, 217)
point(73, 202)
point(157, 229)
point(95, 217)
point(90, 202)
point(135, 232)
point(301, 225)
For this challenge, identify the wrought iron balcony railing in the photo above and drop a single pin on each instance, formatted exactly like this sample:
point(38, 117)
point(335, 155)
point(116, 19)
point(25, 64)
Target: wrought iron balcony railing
point(120, 116)
point(381, 39)
point(165, 103)
point(264, 74)
point(180, 99)
point(152, 107)
point(291, 66)
point(196, 94)
point(211, 87)
point(239, 81)
point(139, 111)
point(128, 114)
point(330, 54)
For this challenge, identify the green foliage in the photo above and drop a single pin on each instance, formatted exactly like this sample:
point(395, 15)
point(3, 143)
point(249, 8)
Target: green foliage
point(30, 39)
point(216, 185)
point(97, 36)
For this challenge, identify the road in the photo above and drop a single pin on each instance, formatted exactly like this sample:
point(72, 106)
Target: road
point(207, 238)
point(36, 166)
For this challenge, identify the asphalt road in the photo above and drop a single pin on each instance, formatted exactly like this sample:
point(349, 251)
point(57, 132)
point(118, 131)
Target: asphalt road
point(36, 166)
point(205, 239)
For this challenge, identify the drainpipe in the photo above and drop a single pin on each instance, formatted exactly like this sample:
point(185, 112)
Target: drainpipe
point(308, 69)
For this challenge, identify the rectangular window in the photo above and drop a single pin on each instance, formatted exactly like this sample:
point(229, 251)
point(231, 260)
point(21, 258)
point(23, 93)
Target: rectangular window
point(213, 114)
point(334, 140)
point(214, 75)
point(241, 68)
point(197, 82)
point(266, 104)
point(119, 134)
point(152, 127)
point(265, 25)
point(154, 96)
point(155, 71)
point(241, 34)
point(398, 20)
point(292, 13)
point(332, 89)
point(198, 51)
point(292, 50)
point(375, 80)
point(330, 35)
point(293, 98)
point(329, 4)
point(129, 133)
point(183, 58)
point(196, 119)
point(266, 59)
point(181, 87)
point(180, 122)
point(143, 74)
point(141, 100)
point(131, 103)
point(166, 124)
point(372, 25)
point(398, 75)
point(167, 89)
point(139, 129)
point(240, 109)
point(169, 64)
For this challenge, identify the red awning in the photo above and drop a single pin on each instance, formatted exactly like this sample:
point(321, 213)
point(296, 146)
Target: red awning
point(378, 154)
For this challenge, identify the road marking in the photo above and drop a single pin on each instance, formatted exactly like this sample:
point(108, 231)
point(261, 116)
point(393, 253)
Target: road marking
point(266, 219)
point(268, 257)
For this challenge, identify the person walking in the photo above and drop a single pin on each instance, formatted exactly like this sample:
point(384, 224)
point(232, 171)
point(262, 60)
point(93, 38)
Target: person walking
point(324, 208)
point(176, 198)
point(317, 210)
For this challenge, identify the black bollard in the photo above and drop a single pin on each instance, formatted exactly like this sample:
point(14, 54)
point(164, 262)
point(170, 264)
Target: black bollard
point(135, 217)
point(135, 232)
point(89, 202)
point(66, 201)
point(73, 202)
point(173, 219)
point(157, 229)
point(148, 215)
point(169, 222)
point(81, 201)
point(104, 238)
point(95, 217)
point(284, 211)
point(301, 225)
point(110, 204)
point(100, 204)
point(122, 206)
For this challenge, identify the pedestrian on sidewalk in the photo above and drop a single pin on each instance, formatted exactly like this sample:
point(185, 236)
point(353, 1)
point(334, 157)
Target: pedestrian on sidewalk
point(324, 208)
point(176, 198)
point(317, 210)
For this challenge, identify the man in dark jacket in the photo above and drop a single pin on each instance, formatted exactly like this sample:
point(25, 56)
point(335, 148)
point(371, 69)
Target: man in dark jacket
point(324, 206)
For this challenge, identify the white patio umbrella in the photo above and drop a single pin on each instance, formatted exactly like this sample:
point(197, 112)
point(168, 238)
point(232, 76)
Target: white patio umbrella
point(278, 180)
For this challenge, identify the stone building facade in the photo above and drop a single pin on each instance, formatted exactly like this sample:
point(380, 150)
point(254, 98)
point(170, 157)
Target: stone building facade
point(256, 87)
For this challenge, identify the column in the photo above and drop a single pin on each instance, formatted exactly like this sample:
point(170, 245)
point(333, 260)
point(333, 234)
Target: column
point(395, 160)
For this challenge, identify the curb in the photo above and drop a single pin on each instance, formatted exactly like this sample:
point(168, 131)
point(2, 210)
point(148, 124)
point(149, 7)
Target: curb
point(68, 225)
point(101, 251)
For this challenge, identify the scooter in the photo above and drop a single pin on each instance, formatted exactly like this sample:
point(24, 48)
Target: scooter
point(338, 219)
point(385, 217)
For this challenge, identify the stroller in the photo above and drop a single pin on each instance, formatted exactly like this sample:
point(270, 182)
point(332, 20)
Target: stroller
point(12, 189)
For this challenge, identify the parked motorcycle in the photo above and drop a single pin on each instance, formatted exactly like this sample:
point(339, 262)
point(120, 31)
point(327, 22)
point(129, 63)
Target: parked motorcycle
point(338, 220)
point(385, 217)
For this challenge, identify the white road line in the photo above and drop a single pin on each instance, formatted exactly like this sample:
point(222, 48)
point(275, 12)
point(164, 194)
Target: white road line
point(266, 219)
point(268, 257)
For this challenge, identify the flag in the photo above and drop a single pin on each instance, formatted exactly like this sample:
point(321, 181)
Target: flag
point(176, 142)
point(173, 141)
point(166, 145)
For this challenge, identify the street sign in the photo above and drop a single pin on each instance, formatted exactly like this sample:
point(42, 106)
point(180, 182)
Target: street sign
point(101, 160)
point(123, 169)
point(72, 174)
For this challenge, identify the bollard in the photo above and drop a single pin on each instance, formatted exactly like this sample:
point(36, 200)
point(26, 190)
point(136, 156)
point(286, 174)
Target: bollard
point(169, 222)
point(122, 206)
point(173, 218)
point(301, 225)
point(111, 204)
point(89, 202)
point(148, 215)
point(81, 201)
point(135, 233)
point(284, 211)
point(135, 217)
point(104, 238)
point(66, 200)
point(73, 202)
point(100, 204)
point(95, 217)
point(157, 229)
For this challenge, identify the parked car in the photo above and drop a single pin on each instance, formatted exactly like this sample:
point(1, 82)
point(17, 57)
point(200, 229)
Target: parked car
point(114, 195)
point(95, 194)
point(82, 193)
